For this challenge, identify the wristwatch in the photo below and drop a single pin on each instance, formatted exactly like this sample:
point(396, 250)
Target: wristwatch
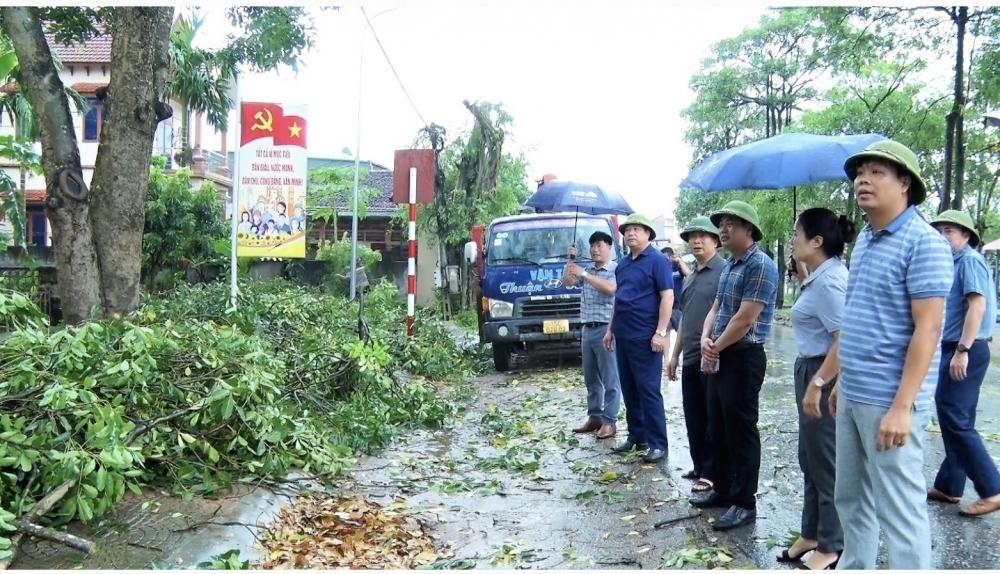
point(584, 274)
point(818, 381)
point(661, 332)
point(961, 348)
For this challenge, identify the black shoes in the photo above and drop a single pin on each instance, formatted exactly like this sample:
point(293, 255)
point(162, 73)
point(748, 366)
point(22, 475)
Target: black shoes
point(735, 517)
point(629, 445)
point(713, 500)
point(655, 455)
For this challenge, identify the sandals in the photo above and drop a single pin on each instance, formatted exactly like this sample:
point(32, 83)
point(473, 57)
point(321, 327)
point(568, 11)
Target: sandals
point(830, 566)
point(935, 494)
point(702, 485)
point(786, 557)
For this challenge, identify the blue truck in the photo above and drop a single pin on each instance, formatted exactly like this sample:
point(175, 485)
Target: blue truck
point(519, 262)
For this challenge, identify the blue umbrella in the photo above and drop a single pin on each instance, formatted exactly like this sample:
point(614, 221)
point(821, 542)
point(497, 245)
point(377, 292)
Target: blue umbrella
point(559, 195)
point(785, 160)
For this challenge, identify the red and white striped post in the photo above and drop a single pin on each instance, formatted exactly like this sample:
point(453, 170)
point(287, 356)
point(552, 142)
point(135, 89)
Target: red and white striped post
point(411, 272)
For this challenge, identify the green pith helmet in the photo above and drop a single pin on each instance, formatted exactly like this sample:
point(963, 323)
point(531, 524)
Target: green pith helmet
point(896, 153)
point(961, 219)
point(744, 211)
point(639, 219)
point(700, 223)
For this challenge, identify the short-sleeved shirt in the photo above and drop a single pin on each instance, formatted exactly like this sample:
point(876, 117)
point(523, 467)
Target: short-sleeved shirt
point(752, 277)
point(595, 307)
point(637, 298)
point(889, 269)
point(678, 281)
point(697, 296)
point(972, 275)
point(817, 311)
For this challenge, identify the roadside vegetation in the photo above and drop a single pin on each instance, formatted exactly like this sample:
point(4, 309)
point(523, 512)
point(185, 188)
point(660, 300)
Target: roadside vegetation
point(189, 396)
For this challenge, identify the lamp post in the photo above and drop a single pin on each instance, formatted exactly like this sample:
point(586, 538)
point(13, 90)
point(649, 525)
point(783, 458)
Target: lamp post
point(357, 153)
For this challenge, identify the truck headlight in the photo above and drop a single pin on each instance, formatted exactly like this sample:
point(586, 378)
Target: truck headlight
point(501, 309)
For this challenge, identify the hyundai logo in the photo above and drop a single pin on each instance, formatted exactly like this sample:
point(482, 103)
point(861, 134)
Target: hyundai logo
point(552, 284)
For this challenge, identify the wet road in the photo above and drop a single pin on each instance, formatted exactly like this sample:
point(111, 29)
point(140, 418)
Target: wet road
point(511, 487)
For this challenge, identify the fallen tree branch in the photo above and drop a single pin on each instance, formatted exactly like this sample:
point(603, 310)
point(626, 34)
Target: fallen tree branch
point(37, 511)
point(71, 540)
point(675, 519)
point(146, 427)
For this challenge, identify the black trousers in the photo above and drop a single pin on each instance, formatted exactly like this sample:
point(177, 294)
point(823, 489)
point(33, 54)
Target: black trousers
point(733, 410)
point(694, 391)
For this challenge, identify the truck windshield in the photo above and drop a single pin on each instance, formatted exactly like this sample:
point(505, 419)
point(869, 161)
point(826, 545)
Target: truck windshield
point(541, 241)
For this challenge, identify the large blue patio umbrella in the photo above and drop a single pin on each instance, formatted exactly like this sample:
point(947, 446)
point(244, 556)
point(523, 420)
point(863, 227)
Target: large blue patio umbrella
point(785, 160)
point(559, 195)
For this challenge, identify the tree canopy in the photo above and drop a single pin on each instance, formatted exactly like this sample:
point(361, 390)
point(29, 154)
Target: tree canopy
point(856, 70)
point(97, 230)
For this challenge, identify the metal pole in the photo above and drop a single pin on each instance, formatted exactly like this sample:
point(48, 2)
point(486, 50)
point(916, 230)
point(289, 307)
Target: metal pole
point(357, 156)
point(234, 196)
point(411, 260)
point(357, 172)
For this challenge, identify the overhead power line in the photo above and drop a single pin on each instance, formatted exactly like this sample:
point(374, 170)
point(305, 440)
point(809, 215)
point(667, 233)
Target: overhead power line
point(392, 67)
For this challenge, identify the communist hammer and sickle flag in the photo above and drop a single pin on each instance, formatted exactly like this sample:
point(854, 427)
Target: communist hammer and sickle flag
point(268, 120)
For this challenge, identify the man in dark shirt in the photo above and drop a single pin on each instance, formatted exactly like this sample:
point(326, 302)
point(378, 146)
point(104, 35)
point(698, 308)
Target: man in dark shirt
point(697, 296)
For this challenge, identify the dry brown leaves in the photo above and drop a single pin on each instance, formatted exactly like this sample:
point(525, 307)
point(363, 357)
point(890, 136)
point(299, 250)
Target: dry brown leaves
point(327, 533)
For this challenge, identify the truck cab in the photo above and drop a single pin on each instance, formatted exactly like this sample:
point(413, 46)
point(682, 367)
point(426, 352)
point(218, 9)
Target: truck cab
point(519, 262)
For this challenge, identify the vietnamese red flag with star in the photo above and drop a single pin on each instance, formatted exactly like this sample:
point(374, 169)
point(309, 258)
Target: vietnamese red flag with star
point(261, 120)
point(271, 191)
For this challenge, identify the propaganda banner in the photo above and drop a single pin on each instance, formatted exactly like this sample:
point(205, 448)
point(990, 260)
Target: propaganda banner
point(271, 197)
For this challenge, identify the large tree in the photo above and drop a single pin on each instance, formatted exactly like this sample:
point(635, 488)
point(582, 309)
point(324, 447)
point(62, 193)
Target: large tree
point(757, 83)
point(97, 231)
point(15, 105)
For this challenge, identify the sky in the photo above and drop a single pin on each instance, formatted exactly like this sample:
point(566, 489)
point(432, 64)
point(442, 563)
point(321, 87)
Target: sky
point(595, 90)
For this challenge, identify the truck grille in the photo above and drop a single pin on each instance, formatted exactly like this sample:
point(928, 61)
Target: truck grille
point(566, 306)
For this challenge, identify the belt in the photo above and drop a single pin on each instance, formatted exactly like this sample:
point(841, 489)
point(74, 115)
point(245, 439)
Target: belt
point(592, 324)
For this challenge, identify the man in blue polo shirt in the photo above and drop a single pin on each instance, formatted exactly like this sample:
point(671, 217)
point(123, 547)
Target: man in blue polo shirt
point(638, 331)
point(732, 351)
point(900, 274)
point(965, 356)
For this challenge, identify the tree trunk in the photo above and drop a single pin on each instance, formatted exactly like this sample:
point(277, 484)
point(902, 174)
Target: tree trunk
point(69, 212)
point(121, 172)
point(953, 134)
point(97, 234)
point(959, 109)
point(183, 158)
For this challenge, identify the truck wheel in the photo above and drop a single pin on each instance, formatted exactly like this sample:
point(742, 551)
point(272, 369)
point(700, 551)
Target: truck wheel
point(501, 357)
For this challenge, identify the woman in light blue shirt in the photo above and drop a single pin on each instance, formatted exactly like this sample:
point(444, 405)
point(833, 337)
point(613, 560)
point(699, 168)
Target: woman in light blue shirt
point(819, 242)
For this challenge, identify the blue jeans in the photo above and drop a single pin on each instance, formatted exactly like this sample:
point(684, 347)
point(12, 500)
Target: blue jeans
point(965, 455)
point(600, 374)
point(881, 489)
point(640, 370)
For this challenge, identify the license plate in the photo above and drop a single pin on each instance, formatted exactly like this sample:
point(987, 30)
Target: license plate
point(555, 326)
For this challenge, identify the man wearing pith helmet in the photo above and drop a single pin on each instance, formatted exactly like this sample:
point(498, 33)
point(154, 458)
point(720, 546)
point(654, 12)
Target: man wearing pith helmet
point(900, 274)
point(965, 356)
point(697, 296)
point(732, 350)
point(644, 298)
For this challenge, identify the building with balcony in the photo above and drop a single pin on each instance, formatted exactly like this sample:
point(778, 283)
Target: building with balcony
point(86, 69)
